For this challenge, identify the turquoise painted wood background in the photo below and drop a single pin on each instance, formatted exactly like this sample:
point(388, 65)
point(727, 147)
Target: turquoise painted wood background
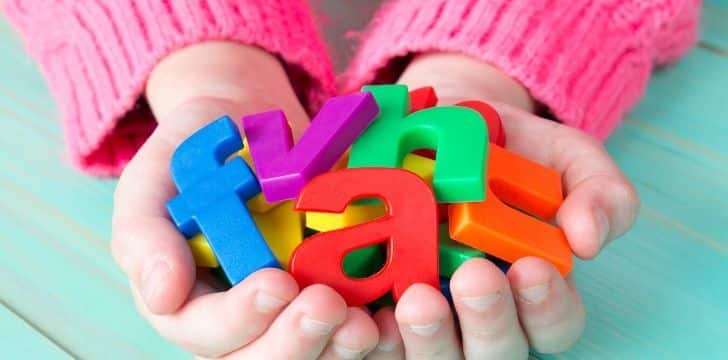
point(659, 292)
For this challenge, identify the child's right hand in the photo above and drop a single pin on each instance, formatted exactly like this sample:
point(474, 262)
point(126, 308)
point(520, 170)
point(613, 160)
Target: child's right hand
point(264, 317)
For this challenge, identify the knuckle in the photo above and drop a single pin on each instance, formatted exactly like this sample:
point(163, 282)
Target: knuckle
point(124, 236)
point(619, 189)
point(628, 193)
point(514, 346)
point(117, 244)
point(558, 343)
point(632, 195)
point(499, 329)
point(560, 335)
point(628, 203)
point(622, 191)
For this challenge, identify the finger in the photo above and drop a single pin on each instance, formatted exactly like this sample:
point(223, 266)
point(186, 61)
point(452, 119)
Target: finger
point(215, 323)
point(390, 346)
point(426, 324)
point(487, 313)
point(186, 90)
point(549, 307)
point(598, 208)
point(606, 205)
point(601, 204)
point(354, 338)
point(303, 329)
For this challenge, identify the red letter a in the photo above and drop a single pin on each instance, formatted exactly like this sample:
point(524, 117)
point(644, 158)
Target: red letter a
point(409, 228)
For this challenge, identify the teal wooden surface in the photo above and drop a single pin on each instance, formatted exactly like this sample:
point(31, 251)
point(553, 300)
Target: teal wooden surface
point(25, 339)
point(658, 292)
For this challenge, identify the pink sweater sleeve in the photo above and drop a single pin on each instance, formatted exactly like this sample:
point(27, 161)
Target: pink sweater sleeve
point(96, 56)
point(588, 61)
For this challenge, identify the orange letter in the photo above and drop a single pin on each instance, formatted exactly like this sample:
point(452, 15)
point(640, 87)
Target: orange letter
point(506, 233)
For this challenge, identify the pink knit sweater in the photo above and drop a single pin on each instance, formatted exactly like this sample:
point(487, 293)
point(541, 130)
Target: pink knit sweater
point(588, 61)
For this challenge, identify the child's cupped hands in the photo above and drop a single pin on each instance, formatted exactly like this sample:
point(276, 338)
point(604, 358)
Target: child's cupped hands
point(267, 316)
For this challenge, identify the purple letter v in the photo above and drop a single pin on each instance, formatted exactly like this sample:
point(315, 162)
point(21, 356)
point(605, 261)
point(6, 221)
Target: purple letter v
point(283, 169)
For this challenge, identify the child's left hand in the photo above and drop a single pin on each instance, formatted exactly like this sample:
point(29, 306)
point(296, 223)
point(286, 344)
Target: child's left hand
point(501, 315)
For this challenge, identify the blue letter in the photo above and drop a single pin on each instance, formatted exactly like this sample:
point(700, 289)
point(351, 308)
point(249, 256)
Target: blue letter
point(212, 199)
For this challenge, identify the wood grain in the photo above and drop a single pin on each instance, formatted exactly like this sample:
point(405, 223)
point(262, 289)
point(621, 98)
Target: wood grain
point(25, 339)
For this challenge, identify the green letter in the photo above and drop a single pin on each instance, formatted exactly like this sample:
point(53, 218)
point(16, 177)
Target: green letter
point(458, 134)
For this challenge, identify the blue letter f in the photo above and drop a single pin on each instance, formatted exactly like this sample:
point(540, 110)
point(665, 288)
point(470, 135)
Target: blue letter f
point(212, 199)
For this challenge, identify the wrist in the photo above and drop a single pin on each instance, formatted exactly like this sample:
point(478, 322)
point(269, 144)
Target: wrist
point(457, 77)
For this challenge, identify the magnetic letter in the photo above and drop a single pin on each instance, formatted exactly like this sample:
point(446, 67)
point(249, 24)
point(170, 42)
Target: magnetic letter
point(202, 252)
point(257, 204)
point(458, 134)
point(409, 229)
point(212, 197)
point(283, 169)
point(452, 254)
point(506, 233)
point(496, 134)
point(422, 98)
point(281, 227)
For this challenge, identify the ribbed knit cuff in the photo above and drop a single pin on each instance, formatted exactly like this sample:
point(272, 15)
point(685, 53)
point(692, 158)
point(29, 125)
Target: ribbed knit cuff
point(588, 61)
point(97, 55)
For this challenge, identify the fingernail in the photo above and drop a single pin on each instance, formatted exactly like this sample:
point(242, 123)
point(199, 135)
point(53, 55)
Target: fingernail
point(481, 303)
point(603, 222)
point(347, 353)
point(426, 329)
point(154, 277)
point(315, 328)
point(386, 346)
point(266, 303)
point(534, 294)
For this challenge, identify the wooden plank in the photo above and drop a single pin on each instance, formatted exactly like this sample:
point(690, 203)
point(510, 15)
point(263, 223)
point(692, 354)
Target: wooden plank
point(687, 97)
point(56, 273)
point(720, 4)
point(714, 27)
point(658, 291)
point(56, 269)
point(19, 340)
point(646, 292)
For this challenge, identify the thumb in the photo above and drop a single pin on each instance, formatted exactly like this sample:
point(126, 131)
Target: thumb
point(187, 90)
